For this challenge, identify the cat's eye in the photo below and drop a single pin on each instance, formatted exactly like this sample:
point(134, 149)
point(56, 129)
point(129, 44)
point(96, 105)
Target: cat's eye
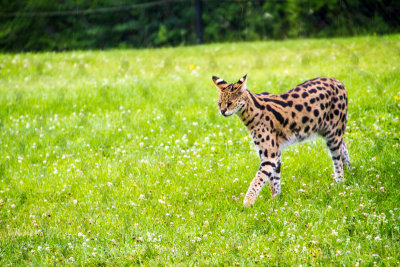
point(228, 104)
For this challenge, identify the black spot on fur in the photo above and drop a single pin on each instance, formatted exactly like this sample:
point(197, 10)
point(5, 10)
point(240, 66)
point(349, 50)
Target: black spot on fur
point(316, 112)
point(277, 115)
point(285, 122)
point(306, 129)
point(304, 95)
point(312, 100)
point(256, 102)
point(281, 103)
point(269, 163)
point(250, 121)
point(295, 95)
point(292, 125)
point(304, 119)
point(278, 168)
point(299, 107)
point(285, 96)
point(265, 93)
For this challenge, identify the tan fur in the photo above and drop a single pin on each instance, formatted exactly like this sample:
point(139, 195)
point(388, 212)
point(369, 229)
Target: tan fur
point(317, 106)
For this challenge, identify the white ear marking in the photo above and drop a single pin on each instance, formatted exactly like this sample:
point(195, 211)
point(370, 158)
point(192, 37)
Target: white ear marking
point(242, 80)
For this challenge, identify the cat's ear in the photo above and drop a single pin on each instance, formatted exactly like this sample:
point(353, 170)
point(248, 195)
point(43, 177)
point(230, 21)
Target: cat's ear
point(219, 83)
point(241, 84)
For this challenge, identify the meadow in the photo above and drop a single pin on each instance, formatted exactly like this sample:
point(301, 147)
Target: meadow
point(121, 157)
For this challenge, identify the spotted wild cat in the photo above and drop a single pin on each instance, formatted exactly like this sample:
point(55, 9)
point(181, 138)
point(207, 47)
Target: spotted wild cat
point(317, 106)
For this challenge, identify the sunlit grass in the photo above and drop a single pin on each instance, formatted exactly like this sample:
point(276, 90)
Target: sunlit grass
point(111, 157)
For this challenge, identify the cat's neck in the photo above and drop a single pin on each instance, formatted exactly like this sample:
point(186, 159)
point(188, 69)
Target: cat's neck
point(246, 114)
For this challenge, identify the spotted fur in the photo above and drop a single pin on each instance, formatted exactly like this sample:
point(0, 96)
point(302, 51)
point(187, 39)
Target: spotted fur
point(315, 107)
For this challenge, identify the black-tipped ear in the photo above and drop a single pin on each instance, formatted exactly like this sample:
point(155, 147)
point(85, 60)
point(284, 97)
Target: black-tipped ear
point(242, 83)
point(219, 83)
point(242, 80)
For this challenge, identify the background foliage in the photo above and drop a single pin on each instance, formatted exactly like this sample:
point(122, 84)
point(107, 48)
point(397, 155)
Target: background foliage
point(24, 28)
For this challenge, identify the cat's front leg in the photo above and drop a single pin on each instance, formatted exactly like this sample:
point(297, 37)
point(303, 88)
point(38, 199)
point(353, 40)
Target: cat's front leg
point(263, 175)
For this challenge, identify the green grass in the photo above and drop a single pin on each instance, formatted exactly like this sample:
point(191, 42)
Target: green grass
point(121, 156)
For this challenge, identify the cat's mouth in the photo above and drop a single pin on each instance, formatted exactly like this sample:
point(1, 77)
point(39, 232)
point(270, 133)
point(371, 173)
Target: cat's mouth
point(226, 115)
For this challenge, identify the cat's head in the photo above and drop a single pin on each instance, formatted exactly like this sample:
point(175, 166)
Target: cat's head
point(231, 97)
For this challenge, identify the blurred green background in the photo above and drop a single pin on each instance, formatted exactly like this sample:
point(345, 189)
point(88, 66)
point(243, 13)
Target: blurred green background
point(82, 24)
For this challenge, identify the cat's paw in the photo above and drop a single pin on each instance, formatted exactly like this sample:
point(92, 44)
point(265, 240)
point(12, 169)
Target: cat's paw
point(248, 201)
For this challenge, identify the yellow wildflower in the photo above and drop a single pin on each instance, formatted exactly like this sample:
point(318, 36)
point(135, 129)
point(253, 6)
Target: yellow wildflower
point(191, 66)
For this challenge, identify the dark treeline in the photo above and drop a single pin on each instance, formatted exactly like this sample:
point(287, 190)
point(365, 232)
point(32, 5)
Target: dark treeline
point(83, 24)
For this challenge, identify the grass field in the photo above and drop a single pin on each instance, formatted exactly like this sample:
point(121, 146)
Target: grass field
point(121, 156)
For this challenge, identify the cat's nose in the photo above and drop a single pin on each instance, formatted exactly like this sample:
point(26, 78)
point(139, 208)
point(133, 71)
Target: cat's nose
point(223, 111)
